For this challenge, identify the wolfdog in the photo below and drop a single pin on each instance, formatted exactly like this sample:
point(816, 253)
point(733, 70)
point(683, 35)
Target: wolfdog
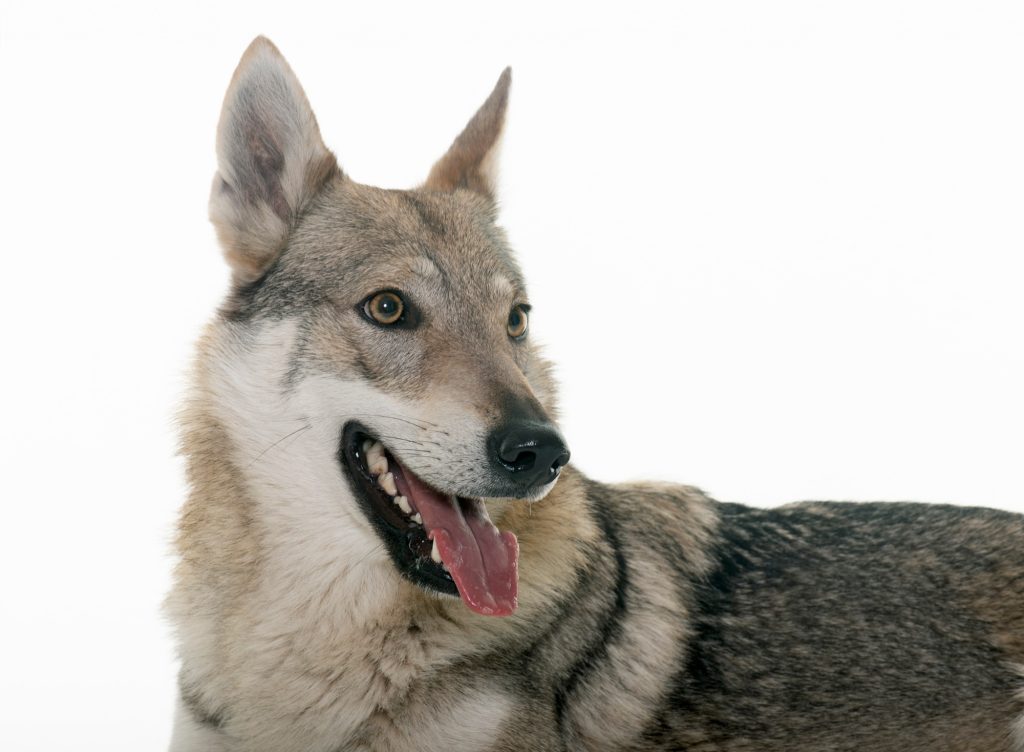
point(386, 548)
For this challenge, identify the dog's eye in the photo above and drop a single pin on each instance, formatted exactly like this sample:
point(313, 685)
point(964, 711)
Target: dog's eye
point(385, 308)
point(517, 321)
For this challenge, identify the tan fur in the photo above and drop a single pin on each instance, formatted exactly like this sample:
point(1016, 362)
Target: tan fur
point(317, 654)
point(277, 127)
point(472, 160)
point(650, 617)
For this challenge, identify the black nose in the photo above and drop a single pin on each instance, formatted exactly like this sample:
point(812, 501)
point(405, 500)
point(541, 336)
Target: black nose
point(531, 454)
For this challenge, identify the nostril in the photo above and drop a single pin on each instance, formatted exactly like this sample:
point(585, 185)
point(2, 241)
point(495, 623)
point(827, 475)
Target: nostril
point(522, 461)
point(532, 454)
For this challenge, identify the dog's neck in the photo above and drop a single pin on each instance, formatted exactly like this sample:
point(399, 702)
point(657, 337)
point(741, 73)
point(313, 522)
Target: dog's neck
point(278, 574)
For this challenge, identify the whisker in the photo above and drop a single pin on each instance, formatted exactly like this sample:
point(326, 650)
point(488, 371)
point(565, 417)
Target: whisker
point(411, 422)
point(411, 441)
point(368, 554)
point(283, 438)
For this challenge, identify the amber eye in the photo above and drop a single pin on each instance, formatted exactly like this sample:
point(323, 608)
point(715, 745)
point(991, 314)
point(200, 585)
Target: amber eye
point(517, 321)
point(385, 308)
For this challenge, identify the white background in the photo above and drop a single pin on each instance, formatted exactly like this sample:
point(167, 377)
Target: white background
point(776, 249)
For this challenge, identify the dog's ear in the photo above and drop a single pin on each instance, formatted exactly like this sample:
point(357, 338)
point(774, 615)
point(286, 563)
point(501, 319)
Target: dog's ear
point(471, 161)
point(270, 157)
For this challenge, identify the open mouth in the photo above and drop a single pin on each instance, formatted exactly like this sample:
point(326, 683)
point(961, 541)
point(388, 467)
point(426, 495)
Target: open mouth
point(440, 542)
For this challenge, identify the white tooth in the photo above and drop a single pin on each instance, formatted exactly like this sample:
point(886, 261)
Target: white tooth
point(416, 518)
point(434, 553)
point(377, 463)
point(403, 504)
point(366, 445)
point(387, 482)
point(375, 459)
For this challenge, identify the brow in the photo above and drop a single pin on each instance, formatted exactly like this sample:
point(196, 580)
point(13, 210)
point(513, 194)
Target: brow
point(503, 285)
point(425, 267)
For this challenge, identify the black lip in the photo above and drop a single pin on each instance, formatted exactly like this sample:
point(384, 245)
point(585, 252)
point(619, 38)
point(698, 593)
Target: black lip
point(407, 544)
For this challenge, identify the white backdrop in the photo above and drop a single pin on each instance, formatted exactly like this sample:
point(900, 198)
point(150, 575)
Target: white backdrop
point(775, 248)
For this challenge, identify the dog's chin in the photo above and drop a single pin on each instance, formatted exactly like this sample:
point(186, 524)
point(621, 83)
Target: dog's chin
point(444, 543)
point(539, 494)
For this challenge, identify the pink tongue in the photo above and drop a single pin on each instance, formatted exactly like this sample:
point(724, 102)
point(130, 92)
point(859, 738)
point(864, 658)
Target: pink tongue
point(482, 560)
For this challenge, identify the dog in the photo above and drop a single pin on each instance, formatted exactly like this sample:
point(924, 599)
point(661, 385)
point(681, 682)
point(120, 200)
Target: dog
point(385, 546)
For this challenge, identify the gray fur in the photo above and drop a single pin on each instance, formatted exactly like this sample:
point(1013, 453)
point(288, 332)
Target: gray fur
point(651, 617)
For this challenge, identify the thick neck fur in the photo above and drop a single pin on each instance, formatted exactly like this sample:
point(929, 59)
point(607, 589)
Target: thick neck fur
point(280, 579)
point(296, 631)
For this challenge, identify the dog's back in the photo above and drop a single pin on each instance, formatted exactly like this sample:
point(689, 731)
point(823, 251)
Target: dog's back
point(854, 626)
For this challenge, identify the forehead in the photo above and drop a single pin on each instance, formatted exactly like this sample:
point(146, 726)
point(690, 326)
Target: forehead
point(358, 239)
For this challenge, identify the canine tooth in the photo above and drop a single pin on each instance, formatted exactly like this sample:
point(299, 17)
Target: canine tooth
point(376, 460)
point(403, 504)
point(378, 467)
point(387, 482)
point(434, 553)
point(416, 518)
point(367, 443)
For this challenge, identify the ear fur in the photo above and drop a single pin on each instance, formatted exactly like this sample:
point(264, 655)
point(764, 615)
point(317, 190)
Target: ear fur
point(471, 160)
point(271, 160)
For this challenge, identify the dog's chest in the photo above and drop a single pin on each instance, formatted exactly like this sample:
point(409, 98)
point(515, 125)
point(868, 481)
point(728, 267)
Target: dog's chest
point(380, 691)
point(470, 717)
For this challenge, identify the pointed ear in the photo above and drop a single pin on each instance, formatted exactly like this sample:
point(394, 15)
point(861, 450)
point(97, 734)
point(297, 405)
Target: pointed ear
point(271, 160)
point(471, 161)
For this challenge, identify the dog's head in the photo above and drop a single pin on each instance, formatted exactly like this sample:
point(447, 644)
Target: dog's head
point(378, 366)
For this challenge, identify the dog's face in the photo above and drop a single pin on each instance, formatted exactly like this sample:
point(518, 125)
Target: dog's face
point(392, 327)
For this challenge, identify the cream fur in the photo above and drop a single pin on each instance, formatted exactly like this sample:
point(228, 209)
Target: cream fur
point(322, 622)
